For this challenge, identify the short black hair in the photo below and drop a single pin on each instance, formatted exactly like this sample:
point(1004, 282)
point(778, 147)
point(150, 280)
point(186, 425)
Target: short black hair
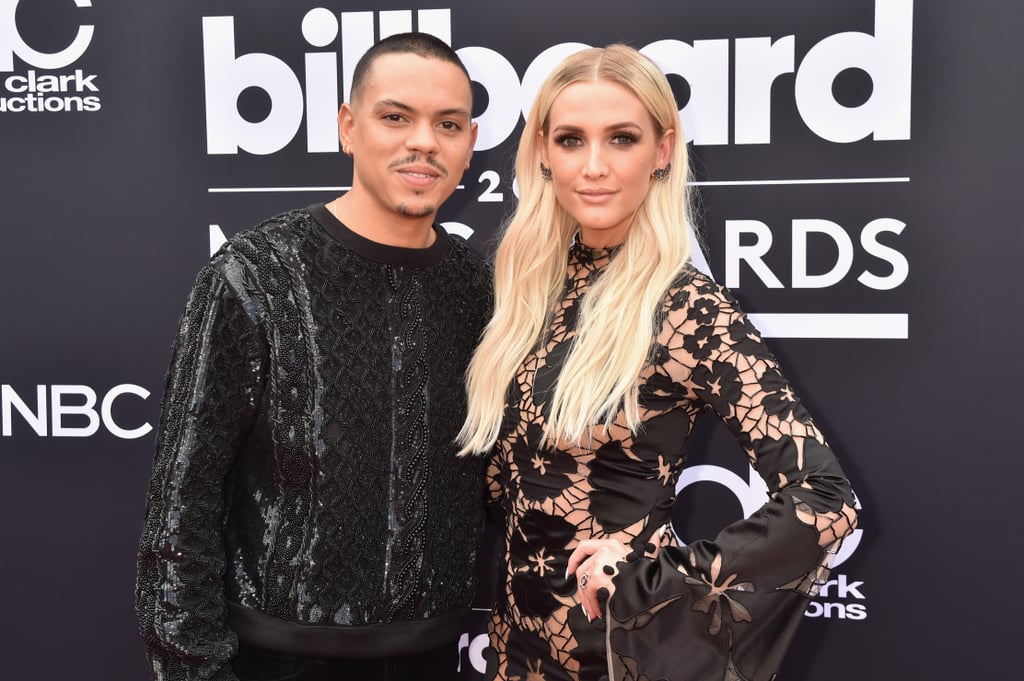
point(420, 44)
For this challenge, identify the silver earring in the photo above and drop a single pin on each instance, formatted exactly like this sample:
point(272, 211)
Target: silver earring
point(661, 174)
point(545, 172)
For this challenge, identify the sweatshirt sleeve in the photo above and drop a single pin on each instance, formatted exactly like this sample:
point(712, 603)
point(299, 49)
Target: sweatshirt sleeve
point(727, 607)
point(212, 389)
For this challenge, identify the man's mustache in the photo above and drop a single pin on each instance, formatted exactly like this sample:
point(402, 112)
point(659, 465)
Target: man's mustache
point(415, 158)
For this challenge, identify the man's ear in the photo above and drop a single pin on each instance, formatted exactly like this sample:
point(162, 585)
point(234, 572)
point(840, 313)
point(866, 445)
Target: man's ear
point(473, 130)
point(346, 121)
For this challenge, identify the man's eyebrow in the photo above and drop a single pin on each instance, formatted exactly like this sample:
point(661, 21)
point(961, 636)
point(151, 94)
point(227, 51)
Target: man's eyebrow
point(402, 106)
point(457, 111)
point(392, 104)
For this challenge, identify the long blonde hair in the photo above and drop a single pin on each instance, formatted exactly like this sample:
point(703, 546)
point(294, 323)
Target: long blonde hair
point(616, 323)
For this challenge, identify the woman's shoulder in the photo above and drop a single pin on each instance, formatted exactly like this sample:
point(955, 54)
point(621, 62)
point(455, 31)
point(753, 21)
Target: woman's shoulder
point(691, 285)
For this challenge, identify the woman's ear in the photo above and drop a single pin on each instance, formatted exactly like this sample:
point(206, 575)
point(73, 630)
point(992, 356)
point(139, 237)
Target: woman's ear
point(666, 146)
point(541, 148)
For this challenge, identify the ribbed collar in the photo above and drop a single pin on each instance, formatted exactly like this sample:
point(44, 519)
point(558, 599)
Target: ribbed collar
point(382, 253)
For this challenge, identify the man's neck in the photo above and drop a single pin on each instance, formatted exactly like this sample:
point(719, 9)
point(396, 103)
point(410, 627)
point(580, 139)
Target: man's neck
point(383, 227)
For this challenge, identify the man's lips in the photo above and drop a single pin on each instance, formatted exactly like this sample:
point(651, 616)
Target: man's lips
point(420, 175)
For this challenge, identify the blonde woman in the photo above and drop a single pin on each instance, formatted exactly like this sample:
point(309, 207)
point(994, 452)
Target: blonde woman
point(604, 348)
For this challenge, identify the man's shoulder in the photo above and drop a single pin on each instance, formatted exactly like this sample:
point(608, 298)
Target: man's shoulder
point(279, 229)
point(465, 256)
point(262, 252)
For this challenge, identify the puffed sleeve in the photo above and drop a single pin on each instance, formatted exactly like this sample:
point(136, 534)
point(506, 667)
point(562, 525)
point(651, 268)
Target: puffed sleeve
point(213, 386)
point(727, 608)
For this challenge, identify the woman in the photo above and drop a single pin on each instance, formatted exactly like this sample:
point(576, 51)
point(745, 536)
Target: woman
point(604, 348)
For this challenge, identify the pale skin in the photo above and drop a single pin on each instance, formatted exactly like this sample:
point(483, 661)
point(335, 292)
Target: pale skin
point(410, 133)
point(602, 147)
point(590, 558)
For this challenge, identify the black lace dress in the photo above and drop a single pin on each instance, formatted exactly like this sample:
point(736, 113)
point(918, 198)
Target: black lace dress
point(721, 609)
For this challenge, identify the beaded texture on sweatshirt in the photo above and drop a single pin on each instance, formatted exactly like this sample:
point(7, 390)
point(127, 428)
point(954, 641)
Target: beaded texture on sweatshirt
point(305, 466)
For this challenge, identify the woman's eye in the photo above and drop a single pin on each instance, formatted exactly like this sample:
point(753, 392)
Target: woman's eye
point(623, 138)
point(569, 141)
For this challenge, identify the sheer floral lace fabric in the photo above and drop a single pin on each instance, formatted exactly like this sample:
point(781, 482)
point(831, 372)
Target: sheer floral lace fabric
point(714, 609)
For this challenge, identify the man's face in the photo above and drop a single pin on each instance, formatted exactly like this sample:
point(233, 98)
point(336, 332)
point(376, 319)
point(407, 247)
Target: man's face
point(410, 133)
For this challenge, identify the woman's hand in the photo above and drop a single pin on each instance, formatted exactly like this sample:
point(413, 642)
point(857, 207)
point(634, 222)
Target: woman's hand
point(593, 563)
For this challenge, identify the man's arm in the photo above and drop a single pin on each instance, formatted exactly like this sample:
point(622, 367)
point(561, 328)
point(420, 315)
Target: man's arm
point(209, 403)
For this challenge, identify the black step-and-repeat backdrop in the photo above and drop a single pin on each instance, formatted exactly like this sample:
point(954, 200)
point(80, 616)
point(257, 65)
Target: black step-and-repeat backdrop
point(858, 171)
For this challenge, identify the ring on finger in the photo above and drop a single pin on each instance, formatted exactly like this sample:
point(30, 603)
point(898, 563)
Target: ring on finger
point(584, 580)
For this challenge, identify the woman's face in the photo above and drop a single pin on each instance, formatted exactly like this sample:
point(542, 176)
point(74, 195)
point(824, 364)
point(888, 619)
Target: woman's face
point(602, 146)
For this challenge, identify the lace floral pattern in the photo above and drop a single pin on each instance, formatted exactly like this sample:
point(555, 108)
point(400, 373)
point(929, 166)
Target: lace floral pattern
point(680, 615)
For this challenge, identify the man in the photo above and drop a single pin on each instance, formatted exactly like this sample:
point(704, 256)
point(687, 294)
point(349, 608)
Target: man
point(308, 517)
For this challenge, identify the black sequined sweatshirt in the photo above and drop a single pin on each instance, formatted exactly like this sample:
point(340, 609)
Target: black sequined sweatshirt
point(306, 495)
